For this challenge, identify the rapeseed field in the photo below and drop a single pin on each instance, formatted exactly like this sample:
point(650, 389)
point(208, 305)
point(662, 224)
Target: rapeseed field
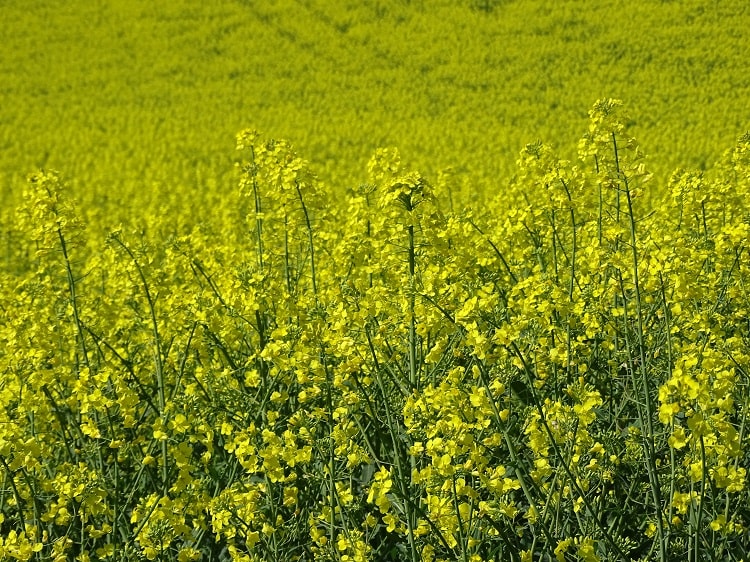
point(295, 280)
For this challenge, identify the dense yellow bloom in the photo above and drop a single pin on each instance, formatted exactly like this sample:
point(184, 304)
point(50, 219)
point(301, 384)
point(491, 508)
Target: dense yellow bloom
point(316, 376)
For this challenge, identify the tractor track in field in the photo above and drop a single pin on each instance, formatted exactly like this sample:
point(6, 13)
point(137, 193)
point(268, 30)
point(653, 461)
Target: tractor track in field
point(341, 31)
point(291, 38)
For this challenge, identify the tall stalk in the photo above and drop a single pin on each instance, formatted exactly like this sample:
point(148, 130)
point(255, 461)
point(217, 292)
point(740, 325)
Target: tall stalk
point(404, 479)
point(310, 239)
point(413, 379)
point(648, 438)
point(158, 362)
point(73, 296)
point(258, 212)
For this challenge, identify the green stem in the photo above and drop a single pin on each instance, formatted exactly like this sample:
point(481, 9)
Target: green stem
point(649, 433)
point(699, 521)
point(551, 438)
point(461, 538)
point(73, 296)
point(413, 379)
point(16, 494)
point(158, 363)
point(310, 239)
point(672, 460)
point(514, 457)
point(258, 212)
point(404, 479)
point(331, 453)
point(287, 272)
point(554, 246)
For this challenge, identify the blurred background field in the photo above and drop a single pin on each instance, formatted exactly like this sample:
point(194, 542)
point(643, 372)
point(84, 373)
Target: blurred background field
point(134, 98)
